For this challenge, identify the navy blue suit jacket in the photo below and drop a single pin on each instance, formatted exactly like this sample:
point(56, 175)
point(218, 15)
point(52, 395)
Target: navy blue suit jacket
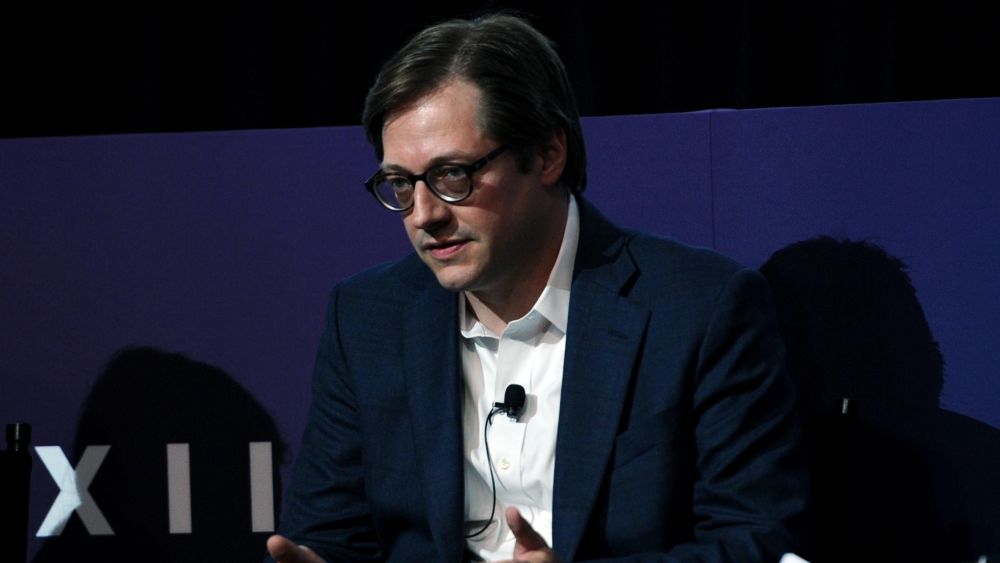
point(677, 439)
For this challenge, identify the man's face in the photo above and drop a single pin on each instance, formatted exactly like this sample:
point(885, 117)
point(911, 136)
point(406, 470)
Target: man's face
point(494, 241)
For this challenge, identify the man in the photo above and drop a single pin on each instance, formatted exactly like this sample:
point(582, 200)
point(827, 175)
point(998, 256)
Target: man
point(657, 424)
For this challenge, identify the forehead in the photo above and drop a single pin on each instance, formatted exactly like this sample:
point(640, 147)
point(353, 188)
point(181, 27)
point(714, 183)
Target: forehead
point(444, 121)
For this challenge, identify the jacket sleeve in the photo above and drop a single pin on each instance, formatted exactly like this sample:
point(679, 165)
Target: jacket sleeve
point(751, 487)
point(750, 498)
point(326, 507)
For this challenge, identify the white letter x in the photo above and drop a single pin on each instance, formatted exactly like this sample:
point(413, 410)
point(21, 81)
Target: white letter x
point(73, 494)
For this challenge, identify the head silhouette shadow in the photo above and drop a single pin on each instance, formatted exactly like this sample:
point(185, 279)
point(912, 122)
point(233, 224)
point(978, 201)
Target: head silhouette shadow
point(144, 400)
point(895, 477)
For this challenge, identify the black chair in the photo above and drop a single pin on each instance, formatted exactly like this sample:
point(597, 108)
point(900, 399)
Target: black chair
point(15, 480)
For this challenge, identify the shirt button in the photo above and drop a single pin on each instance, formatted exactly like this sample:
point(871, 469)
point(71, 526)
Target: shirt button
point(503, 464)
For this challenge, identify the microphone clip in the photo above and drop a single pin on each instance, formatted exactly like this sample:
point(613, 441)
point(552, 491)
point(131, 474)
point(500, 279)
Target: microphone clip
point(513, 402)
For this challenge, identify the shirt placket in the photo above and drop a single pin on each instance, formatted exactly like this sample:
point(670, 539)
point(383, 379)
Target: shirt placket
point(506, 435)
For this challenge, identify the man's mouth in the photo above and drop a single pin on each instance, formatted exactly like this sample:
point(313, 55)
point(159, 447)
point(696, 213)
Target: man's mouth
point(445, 249)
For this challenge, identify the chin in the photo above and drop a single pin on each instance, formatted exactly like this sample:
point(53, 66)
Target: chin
point(452, 282)
point(458, 275)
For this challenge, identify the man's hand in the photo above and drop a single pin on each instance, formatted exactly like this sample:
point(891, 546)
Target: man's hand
point(284, 550)
point(530, 547)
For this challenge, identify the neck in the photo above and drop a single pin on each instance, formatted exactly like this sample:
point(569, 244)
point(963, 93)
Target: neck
point(497, 307)
point(484, 312)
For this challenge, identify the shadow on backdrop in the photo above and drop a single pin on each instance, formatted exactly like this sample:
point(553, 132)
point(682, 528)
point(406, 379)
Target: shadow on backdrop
point(144, 400)
point(896, 477)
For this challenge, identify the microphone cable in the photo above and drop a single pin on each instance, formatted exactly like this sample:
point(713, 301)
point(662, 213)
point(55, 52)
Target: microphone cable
point(512, 405)
point(489, 462)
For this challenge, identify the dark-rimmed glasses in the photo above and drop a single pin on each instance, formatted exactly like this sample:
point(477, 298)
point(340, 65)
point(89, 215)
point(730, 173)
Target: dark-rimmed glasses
point(451, 182)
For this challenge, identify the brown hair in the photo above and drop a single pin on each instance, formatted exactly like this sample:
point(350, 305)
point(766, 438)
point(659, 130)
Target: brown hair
point(526, 94)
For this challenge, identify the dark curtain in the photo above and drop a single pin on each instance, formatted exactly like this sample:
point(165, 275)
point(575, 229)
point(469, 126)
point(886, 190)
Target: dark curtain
point(125, 66)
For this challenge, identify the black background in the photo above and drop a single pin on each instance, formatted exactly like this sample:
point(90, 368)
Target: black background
point(137, 66)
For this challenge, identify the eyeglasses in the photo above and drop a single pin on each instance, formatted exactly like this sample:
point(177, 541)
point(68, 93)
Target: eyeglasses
point(450, 182)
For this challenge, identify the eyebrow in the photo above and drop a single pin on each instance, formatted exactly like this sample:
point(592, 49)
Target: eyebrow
point(452, 157)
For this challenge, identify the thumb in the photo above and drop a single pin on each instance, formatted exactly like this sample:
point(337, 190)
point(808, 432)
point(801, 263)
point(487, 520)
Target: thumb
point(527, 538)
point(284, 550)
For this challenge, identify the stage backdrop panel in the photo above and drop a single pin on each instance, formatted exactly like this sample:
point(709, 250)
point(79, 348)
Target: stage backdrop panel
point(211, 255)
point(921, 180)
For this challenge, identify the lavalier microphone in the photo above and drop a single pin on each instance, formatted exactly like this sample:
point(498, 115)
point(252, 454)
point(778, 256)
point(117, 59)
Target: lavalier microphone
point(513, 401)
point(512, 405)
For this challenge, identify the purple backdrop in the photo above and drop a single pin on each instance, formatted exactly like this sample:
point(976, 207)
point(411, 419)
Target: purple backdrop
point(222, 246)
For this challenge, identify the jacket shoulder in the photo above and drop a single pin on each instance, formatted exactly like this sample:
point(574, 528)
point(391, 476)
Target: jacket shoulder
point(674, 274)
point(401, 277)
point(662, 255)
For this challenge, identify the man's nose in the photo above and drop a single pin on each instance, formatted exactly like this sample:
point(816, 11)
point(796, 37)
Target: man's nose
point(429, 211)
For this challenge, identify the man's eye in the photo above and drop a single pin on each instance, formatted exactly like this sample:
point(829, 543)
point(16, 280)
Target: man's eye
point(451, 173)
point(397, 182)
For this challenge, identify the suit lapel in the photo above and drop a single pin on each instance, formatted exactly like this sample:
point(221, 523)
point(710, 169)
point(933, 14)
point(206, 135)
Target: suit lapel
point(433, 391)
point(605, 331)
point(604, 335)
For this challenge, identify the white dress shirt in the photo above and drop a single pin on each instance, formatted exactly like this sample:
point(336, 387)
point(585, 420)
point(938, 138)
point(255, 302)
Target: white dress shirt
point(529, 353)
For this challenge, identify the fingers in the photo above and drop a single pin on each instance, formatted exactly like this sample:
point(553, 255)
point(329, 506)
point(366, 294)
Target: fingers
point(284, 550)
point(527, 538)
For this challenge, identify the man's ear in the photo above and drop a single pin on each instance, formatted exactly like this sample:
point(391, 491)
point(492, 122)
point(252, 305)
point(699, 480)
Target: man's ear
point(553, 157)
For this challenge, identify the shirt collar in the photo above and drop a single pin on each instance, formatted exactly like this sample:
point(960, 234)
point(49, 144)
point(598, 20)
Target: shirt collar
point(553, 303)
